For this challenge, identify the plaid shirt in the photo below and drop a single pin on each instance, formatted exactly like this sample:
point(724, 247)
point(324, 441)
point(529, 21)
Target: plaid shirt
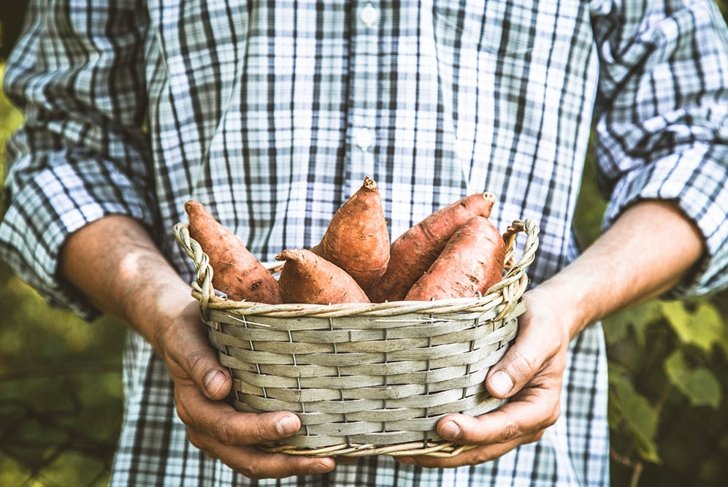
point(272, 112)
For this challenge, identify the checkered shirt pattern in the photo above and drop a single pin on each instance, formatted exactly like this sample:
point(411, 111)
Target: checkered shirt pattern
point(271, 113)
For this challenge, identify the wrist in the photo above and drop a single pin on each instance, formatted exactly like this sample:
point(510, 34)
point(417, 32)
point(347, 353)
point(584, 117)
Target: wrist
point(157, 305)
point(568, 295)
point(130, 279)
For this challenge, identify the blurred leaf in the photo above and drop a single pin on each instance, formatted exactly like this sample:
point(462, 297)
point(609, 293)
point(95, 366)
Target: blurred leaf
point(637, 318)
point(71, 468)
point(12, 472)
point(702, 328)
point(590, 204)
point(697, 383)
point(635, 411)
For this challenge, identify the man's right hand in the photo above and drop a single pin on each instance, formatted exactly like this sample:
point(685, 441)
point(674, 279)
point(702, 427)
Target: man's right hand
point(132, 280)
point(200, 385)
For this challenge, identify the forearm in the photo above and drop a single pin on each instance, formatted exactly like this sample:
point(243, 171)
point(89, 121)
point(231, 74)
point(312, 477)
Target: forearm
point(648, 250)
point(115, 263)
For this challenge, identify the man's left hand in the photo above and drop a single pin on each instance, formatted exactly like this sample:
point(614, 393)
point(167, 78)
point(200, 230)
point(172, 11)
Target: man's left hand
point(530, 374)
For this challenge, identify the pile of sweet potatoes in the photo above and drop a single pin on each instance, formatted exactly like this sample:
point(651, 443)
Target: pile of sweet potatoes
point(454, 252)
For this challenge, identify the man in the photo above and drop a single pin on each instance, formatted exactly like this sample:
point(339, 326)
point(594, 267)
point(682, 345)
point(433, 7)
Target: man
point(271, 113)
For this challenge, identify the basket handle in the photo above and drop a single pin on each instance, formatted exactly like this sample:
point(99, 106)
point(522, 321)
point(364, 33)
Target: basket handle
point(202, 283)
point(529, 251)
point(517, 271)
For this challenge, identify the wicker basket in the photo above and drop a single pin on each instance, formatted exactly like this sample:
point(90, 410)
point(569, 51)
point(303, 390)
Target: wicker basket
point(365, 379)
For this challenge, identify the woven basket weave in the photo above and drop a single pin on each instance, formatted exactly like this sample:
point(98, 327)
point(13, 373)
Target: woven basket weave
point(365, 379)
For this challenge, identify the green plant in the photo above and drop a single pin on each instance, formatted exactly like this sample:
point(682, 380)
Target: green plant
point(667, 380)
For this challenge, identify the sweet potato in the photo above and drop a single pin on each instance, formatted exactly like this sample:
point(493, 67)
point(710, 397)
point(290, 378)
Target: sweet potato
point(236, 271)
point(308, 278)
point(471, 262)
point(357, 239)
point(416, 249)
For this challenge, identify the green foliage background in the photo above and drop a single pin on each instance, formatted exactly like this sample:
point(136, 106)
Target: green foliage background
point(60, 383)
point(60, 378)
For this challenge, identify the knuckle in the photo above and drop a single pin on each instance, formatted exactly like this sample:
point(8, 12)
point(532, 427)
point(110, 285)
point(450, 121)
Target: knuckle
point(197, 440)
point(555, 414)
point(260, 431)
point(196, 362)
point(551, 416)
point(523, 366)
point(194, 438)
point(251, 471)
point(482, 457)
point(511, 431)
point(224, 433)
point(183, 414)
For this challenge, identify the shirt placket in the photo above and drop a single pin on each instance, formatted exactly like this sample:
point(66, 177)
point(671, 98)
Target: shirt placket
point(362, 116)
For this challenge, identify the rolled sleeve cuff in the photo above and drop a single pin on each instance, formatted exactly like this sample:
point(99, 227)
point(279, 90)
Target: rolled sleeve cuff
point(696, 180)
point(47, 210)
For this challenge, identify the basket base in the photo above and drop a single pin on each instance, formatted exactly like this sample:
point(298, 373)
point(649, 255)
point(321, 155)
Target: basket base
point(431, 449)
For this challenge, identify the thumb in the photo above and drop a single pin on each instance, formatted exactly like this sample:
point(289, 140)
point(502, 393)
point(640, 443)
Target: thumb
point(191, 359)
point(510, 375)
point(523, 360)
point(542, 339)
point(210, 377)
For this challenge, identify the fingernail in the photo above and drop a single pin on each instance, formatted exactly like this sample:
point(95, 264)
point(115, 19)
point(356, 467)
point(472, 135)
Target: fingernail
point(451, 431)
point(214, 381)
point(501, 383)
point(287, 425)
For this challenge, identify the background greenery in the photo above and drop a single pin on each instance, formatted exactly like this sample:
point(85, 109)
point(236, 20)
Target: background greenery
point(60, 378)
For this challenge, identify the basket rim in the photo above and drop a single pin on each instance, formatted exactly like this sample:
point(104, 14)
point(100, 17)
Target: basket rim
point(204, 292)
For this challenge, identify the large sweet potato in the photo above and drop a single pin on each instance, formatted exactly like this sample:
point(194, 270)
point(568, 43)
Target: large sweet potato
point(471, 262)
point(308, 278)
point(236, 271)
point(357, 239)
point(416, 249)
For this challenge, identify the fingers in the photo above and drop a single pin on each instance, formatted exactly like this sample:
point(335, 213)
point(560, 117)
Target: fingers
point(531, 375)
point(256, 464)
point(190, 357)
point(214, 426)
point(228, 426)
point(526, 415)
point(470, 457)
point(523, 420)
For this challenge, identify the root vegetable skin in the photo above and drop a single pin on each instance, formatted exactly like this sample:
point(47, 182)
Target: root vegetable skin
point(416, 250)
point(357, 239)
point(471, 262)
point(308, 278)
point(236, 271)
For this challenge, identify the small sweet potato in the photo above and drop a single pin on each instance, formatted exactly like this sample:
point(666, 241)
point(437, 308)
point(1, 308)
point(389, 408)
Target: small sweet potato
point(416, 249)
point(236, 271)
point(308, 278)
point(357, 239)
point(471, 262)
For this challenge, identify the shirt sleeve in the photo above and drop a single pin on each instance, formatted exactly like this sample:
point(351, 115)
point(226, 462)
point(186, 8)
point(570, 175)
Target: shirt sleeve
point(78, 76)
point(662, 118)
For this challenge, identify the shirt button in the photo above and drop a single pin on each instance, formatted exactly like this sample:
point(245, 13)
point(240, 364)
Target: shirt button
point(368, 15)
point(363, 138)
